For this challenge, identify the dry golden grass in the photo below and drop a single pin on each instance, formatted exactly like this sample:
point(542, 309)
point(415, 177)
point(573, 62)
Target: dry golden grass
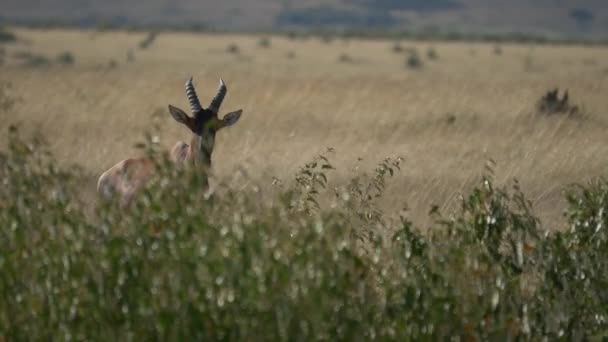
point(294, 108)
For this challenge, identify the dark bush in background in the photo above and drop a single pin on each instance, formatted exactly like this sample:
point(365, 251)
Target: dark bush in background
point(7, 36)
point(148, 40)
point(413, 60)
point(66, 58)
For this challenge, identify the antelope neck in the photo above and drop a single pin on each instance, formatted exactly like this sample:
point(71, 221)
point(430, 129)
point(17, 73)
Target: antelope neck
point(201, 148)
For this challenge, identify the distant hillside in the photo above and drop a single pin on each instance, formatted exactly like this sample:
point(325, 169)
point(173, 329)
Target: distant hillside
point(588, 18)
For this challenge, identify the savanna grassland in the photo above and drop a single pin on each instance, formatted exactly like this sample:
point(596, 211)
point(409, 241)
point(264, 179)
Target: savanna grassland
point(475, 102)
point(305, 237)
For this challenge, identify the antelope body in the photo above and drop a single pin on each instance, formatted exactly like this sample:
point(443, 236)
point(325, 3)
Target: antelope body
point(127, 177)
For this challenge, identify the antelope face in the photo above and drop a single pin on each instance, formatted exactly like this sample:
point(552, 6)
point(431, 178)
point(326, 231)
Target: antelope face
point(204, 122)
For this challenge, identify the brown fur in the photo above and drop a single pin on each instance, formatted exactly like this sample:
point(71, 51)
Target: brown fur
point(127, 177)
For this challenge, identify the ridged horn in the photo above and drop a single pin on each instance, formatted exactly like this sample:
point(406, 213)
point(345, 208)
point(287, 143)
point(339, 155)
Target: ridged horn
point(219, 97)
point(195, 105)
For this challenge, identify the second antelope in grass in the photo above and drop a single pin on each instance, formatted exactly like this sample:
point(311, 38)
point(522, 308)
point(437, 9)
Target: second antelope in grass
point(127, 177)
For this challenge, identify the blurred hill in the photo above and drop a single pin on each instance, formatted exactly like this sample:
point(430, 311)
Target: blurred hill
point(588, 18)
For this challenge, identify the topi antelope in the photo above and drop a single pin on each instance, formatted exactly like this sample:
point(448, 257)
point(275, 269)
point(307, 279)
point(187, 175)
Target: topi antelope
point(128, 176)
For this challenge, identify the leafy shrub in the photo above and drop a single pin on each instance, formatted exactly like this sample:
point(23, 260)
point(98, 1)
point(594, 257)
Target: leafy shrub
point(31, 59)
point(148, 40)
point(112, 64)
point(450, 119)
point(321, 261)
point(66, 58)
point(550, 103)
point(7, 36)
point(233, 49)
point(576, 267)
point(413, 61)
point(34, 60)
point(264, 42)
point(345, 58)
point(292, 35)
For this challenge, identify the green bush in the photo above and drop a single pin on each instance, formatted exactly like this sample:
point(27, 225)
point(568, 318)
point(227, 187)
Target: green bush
point(264, 42)
point(319, 262)
point(148, 40)
point(233, 49)
point(37, 61)
point(345, 58)
point(66, 58)
point(33, 60)
point(7, 36)
point(112, 64)
point(413, 60)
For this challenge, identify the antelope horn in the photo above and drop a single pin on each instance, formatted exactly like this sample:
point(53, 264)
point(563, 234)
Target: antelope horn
point(195, 105)
point(219, 97)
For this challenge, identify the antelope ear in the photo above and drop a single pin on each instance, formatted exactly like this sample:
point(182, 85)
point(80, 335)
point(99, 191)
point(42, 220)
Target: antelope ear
point(231, 118)
point(180, 116)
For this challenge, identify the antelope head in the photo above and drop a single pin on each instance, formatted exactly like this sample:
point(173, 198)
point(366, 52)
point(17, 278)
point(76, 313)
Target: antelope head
point(204, 122)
